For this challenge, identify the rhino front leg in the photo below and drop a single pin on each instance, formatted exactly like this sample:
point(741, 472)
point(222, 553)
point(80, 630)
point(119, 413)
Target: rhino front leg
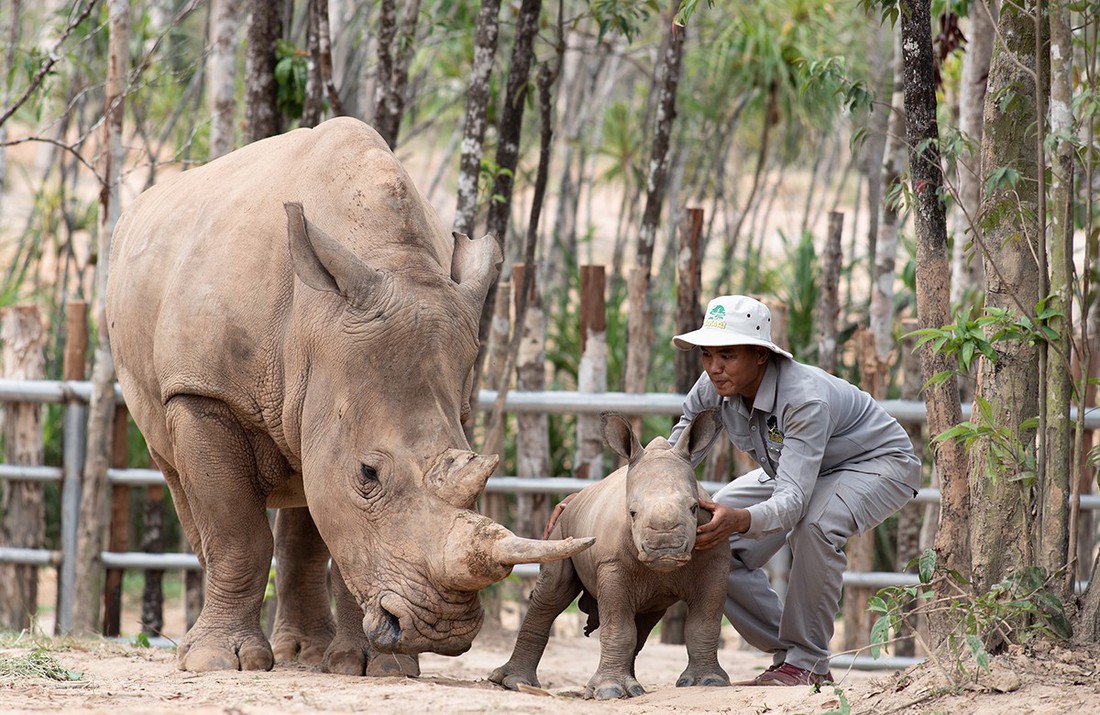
point(702, 631)
point(303, 619)
point(614, 678)
point(350, 653)
point(216, 462)
point(555, 589)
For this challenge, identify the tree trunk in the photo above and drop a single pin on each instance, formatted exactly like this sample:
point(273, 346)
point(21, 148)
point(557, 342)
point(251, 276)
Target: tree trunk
point(532, 428)
point(394, 54)
point(884, 269)
point(22, 509)
point(94, 494)
point(11, 35)
point(967, 270)
point(666, 81)
point(152, 542)
point(1057, 540)
point(507, 156)
point(888, 82)
point(477, 103)
point(828, 307)
point(1002, 506)
point(313, 105)
point(469, 171)
point(221, 75)
point(933, 278)
point(265, 27)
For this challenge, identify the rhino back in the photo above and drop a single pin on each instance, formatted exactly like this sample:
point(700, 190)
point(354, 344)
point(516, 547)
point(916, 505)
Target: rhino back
point(202, 294)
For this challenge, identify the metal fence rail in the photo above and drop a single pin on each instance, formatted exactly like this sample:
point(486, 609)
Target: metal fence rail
point(77, 393)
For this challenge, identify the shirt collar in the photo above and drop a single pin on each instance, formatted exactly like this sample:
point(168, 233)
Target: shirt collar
point(769, 385)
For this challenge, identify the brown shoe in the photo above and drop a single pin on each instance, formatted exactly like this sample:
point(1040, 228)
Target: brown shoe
point(787, 674)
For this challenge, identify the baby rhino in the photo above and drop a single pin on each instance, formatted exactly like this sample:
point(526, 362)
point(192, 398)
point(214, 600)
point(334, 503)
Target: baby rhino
point(644, 518)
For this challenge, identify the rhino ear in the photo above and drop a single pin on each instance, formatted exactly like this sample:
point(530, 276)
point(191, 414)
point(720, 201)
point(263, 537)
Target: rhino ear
point(699, 434)
point(620, 436)
point(322, 263)
point(475, 264)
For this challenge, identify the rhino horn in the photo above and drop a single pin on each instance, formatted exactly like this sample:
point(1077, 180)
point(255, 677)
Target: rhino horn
point(481, 552)
point(458, 477)
point(475, 265)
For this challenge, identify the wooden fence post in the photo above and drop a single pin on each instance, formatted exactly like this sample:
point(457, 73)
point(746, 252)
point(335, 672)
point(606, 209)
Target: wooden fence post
point(118, 538)
point(76, 352)
point(592, 372)
point(22, 511)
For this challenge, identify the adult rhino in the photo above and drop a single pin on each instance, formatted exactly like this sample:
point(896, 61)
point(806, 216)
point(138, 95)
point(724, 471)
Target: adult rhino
point(643, 517)
point(275, 360)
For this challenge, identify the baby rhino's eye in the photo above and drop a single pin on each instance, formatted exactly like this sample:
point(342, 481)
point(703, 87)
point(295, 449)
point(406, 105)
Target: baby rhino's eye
point(367, 474)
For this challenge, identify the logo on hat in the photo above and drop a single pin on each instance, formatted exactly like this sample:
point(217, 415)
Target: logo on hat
point(716, 318)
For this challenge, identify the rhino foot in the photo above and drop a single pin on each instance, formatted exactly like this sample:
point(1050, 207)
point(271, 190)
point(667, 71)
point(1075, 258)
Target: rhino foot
point(511, 677)
point(713, 679)
point(307, 649)
point(345, 659)
point(604, 687)
point(252, 654)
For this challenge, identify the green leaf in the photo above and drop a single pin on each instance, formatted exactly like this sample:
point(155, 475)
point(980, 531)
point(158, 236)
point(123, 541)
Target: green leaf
point(880, 633)
point(927, 566)
point(1001, 178)
point(977, 649)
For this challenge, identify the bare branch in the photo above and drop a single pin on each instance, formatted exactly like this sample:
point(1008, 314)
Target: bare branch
point(51, 60)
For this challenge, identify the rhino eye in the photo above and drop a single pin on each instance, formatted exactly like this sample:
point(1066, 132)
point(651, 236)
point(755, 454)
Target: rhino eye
point(633, 514)
point(367, 474)
point(694, 508)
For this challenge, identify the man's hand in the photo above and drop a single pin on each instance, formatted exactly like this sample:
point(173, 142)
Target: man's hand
point(725, 521)
point(558, 509)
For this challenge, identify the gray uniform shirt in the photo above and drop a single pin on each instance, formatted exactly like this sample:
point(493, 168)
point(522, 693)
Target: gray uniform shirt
point(804, 423)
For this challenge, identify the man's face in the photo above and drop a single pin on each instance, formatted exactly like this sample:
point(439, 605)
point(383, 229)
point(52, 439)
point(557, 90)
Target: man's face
point(736, 369)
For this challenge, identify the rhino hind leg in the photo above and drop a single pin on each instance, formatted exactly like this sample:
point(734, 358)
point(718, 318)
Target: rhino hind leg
point(555, 589)
point(304, 626)
point(216, 469)
point(349, 653)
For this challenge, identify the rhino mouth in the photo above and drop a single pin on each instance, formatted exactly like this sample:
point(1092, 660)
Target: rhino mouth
point(392, 627)
point(664, 559)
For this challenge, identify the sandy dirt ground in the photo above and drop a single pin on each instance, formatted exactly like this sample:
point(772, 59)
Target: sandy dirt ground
point(118, 678)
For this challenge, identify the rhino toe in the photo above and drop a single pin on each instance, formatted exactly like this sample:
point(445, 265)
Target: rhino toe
point(613, 688)
point(709, 680)
point(510, 679)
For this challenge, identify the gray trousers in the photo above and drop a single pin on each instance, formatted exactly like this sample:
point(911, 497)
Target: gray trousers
point(843, 503)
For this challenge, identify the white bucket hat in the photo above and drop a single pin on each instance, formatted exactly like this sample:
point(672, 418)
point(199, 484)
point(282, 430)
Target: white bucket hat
point(732, 320)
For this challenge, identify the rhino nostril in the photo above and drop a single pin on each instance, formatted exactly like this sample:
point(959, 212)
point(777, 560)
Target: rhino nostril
point(384, 631)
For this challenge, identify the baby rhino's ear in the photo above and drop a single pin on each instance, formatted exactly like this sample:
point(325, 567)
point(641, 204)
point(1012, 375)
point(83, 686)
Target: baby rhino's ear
point(620, 436)
point(699, 434)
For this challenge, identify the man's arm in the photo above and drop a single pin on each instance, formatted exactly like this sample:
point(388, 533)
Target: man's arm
point(804, 440)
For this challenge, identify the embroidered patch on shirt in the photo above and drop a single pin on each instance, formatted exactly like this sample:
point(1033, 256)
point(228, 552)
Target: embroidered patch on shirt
point(774, 435)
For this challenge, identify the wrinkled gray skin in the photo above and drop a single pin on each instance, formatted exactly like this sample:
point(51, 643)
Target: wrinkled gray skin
point(644, 518)
point(319, 366)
